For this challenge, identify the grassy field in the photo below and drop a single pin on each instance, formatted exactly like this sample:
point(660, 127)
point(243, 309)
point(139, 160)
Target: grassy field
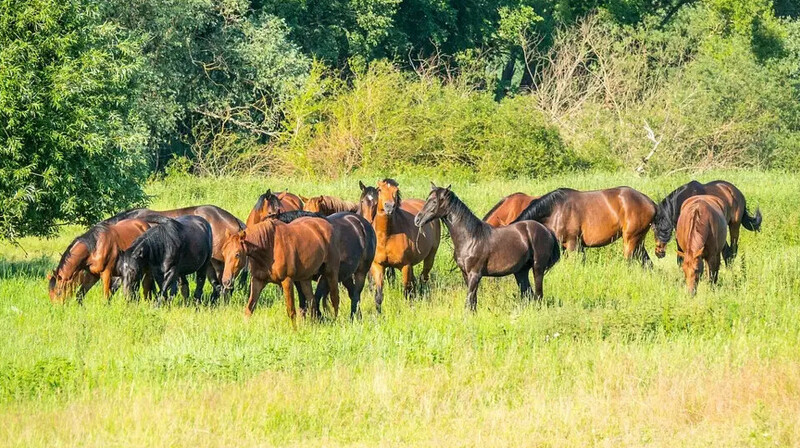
point(616, 356)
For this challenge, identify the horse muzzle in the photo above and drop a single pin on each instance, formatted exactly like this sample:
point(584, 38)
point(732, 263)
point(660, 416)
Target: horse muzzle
point(389, 207)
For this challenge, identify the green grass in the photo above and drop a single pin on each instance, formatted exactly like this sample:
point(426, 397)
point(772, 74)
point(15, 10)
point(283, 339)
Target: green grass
point(615, 356)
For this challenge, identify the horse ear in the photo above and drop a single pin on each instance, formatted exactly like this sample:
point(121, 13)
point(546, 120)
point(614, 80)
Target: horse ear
point(243, 234)
point(269, 192)
point(448, 187)
point(362, 186)
point(433, 186)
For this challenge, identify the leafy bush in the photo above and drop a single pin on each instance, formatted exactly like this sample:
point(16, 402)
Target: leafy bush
point(72, 137)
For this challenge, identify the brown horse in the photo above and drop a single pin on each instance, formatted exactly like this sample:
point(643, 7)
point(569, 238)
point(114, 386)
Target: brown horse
point(285, 254)
point(269, 204)
point(328, 205)
point(701, 233)
point(735, 208)
point(508, 209)
point(596, 218)
point(401, 244)
point(92, 257)
point(219, 219)
point(481, 250)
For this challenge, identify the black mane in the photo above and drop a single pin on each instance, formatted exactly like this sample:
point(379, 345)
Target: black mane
point(459, 212)
point(159, 240)
point(668, 210)
point(270, 197)
point(290, 216)
point(542, 208)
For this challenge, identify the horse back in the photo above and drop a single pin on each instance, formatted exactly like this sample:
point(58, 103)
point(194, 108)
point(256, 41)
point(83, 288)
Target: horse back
point(302, 246)
point(356, 239)
point(702, 226)
point(508, 209)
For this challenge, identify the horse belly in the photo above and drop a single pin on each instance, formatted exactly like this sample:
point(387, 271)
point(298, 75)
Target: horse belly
point(506, 260)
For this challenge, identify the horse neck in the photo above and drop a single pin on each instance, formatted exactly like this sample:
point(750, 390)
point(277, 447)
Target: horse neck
point(383, 225)
point(462, 223)
point(75, 261)
point(265, 241)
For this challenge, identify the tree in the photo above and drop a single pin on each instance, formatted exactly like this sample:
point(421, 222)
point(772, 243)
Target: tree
point(71, 137)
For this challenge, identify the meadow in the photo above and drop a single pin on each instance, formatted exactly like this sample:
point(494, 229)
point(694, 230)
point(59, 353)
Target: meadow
point(614, 356)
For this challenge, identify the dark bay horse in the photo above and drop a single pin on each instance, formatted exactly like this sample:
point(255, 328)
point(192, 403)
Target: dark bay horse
point(401, 244)
point(221, 221)
point(285, 254)
point(356, 240)
point(92, 257)
point(272, 204)
point(481, 250)
point(508, 209)
point(328, 205)
point(596, 218)
point(169, 251)
point(701, 232)
point(735, 209)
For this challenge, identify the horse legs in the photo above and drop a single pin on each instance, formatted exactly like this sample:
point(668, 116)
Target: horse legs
point(427, 265)
point(729, 252)
point(331, 276)
point(305, 290)
point(473, 279)
point(216, 286)
point(200, 280)
point(256, 286)
point(713, 268)
point(377, 276)
point(86, 284)
point(106, 277)
point(408, 280)
point(184, 285)
point(288, 296)
point(170, 277)
point(302, 300)
point(634, 248)
point(148, 285)
point(524, 283)
point(538, 278)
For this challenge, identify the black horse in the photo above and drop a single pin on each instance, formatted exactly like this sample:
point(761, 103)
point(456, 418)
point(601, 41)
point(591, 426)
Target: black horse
point(357, 242)
point(736, 214)
point(481, 250)
point(170, 251)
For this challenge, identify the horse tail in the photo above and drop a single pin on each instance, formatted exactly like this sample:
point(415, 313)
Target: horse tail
point(555, 251)
point(494, 209)
point(752, 223)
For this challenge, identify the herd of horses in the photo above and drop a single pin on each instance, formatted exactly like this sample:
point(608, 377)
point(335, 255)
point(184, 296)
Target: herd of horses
point(293, 241)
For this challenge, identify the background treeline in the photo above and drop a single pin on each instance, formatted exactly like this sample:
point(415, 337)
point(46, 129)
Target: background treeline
point(97, 95)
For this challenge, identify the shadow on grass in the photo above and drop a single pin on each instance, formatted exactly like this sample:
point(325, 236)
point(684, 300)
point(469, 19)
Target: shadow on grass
point(37, 268)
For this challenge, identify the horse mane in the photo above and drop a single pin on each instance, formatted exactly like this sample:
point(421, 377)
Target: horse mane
point(668, 210)
point(335, 205)
point(262, 234)
point(287, 217)
point(694, 237)
point(156, 240)
point(461, 212)
point(496, 206)
point(543, 207)
point(88, 238)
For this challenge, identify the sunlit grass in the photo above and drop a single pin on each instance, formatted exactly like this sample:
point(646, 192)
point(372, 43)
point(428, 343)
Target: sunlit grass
point(615, 355)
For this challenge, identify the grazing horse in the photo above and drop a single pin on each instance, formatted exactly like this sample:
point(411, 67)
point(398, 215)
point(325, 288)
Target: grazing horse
point(508, 209)
point(92, 257)
point(284, 254)
point(701, 233)
point(169, 251)
point(481, 250)
point(270, 204)
point(221, 221)
point(734, 207)
point(356, 239)
point(401, 244)
point(596, 218)
point(328, 205)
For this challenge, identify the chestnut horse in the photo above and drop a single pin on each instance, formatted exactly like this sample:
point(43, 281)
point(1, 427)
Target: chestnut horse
point(271, 204)
point(596, 218)
point(219, 219)
point(92, 257)
point(401, 244)
point(701, 233)
point(508, 209)
point(735, 210)
point(481, 250)
point(284, 254)
point(356, 239)
point(328, 205)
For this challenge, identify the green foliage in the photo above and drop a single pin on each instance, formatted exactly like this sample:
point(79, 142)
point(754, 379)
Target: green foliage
point(388, 118)
point(72, 139)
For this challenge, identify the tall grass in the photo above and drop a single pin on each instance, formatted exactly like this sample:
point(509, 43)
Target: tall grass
point(615, 355)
